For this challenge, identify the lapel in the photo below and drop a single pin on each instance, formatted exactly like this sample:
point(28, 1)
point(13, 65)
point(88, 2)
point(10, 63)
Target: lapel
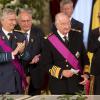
point(60, 38)
point(14, 41)
point(71, 41)
point(31, 38)
point(4, 37)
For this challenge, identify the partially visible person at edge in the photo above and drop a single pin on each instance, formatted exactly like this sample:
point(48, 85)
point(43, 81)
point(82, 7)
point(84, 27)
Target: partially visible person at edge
point(12, 44)
point(66, 76)
point(94, 48)
point(34, 46)
point(66, 6)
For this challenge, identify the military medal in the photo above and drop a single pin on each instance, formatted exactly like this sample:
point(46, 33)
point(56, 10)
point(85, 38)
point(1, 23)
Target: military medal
point(77, 54)
point(32, 40)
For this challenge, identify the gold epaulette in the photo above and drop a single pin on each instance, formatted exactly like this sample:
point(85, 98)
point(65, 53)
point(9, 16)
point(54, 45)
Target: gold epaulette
point(54, 71)
point(48, 35)
point(90, 56)
point(76, 30)
point(87, 68)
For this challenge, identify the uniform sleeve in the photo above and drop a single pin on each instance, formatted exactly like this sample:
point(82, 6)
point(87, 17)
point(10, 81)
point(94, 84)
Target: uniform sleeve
point(5, 57)
point(84, 59)
point(46, 61)
point(25, 56)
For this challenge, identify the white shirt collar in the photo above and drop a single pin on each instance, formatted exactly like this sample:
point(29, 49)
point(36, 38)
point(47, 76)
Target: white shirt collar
point(28, 32)
point(62, 36)
point(6, 32)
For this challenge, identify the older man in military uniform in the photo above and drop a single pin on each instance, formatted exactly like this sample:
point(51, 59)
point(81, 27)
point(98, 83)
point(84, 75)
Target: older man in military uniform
point(64, 58)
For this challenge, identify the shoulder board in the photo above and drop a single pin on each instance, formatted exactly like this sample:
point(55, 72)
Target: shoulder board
point(76, 30)
point(18, 31)
point(48, 35)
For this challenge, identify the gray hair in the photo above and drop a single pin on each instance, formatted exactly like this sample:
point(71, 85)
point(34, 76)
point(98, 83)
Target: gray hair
point(6, 12)
point(59, 17)
point(27, 10)
point(64, 2)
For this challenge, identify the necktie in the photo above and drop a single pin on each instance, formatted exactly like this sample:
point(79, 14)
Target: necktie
point(10, 38)
point(26, 38)
point(66, 40)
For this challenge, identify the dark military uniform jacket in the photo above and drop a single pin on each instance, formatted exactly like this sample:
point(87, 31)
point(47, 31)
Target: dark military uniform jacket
point(54, 63)
point(10, 80)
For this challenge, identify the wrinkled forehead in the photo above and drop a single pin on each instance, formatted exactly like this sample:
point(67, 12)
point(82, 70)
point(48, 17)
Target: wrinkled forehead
point(63, 20)
point(62, 17)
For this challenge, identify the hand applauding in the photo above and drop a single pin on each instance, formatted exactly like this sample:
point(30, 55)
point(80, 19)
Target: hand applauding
point(19, 49)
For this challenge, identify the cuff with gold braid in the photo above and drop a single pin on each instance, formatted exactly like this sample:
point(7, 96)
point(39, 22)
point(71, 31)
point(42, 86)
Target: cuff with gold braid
point(87, 71)
point(56, 71)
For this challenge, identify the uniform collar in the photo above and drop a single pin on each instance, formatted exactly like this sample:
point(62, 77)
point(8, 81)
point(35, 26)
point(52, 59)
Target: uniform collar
point(28, 32)
point(62, 36)
point(5, 31)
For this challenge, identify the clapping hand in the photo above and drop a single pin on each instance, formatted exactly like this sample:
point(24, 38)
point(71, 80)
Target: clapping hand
point(21, 46)
point(19, 49)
